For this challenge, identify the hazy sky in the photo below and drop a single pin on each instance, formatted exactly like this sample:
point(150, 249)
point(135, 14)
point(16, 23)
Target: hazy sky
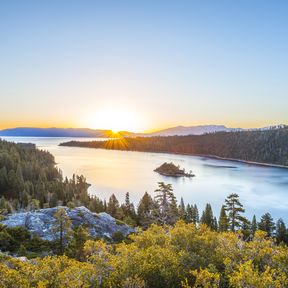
point(158, 63)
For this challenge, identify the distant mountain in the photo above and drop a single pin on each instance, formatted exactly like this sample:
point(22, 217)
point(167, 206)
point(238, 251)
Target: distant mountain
point(193, 130)
point(54, 132)
point(97, 133)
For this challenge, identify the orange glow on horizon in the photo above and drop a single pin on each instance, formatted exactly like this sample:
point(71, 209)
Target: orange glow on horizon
point(123, 121)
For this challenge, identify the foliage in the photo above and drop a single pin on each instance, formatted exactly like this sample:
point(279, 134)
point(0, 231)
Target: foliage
point(19, 240)
point(162, 256)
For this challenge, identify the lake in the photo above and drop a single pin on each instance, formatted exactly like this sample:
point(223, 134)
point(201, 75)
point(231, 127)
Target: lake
point(261, 189)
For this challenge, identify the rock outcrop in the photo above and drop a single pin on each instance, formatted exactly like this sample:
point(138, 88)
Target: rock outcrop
point(40, 222)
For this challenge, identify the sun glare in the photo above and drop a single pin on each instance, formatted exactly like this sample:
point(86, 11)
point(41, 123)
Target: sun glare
point(116, 120)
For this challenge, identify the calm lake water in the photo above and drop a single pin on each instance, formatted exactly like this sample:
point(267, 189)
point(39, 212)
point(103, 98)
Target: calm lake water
point(261, 189)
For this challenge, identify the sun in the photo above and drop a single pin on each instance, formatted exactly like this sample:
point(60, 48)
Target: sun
point(116, 120)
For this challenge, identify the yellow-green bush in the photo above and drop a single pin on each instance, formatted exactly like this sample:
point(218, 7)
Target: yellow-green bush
point(180, 256)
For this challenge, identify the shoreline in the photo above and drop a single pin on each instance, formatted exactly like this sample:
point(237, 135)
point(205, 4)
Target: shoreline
point(244, 161)
point(197, 155)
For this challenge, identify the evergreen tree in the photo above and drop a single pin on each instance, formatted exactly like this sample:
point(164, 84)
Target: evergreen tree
point(281, 232)
point(104, 205)
point(246, 230)
point(146, 210)
point(129, 207)
point(76, 245)
point(33, 205)
point(182, 210)
point(215, 224)
point(189, 213)
point(223, 220)
point(113, 207)
point(234, 209)
point(127, 204)
point(195, 214)
point(3, 179)
point(166, 201)
point(129, 214)
point(62, 228)
point(207, 217)
point(254, 225)
point(266, 224)
point(5, 206)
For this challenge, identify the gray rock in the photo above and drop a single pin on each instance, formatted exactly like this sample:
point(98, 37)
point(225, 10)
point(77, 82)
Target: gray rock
point(40, 222)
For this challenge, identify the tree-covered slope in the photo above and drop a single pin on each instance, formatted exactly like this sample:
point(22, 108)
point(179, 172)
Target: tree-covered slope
point(30, 180)
point(269, 146)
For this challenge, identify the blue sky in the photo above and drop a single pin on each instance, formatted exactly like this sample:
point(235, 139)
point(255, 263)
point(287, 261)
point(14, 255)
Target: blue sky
point(159, 63)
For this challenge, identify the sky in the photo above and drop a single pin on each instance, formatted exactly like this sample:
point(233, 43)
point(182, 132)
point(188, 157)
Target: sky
point(143, 65)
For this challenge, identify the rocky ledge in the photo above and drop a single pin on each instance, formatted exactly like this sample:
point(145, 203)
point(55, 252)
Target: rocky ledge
point(40, 222)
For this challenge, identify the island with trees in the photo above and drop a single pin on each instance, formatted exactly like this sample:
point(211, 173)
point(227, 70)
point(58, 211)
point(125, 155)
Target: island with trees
point(170, 169)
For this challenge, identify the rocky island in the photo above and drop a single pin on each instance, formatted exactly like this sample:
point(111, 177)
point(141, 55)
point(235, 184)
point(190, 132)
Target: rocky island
point(170, 169)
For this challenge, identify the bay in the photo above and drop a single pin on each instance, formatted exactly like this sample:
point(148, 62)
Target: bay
point(261, 189)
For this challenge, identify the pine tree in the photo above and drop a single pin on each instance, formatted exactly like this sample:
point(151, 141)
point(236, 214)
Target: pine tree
point(266, 224)
point(5, 206)
point(234, 209)
point(127, 204)
point(129, 214)
point(182, 210)
point(62, 228)
point(129, 209)
point(223, 220)
point(76, 245)
point(146, 210)
point(215, 224)
point(19, 183)
point(195, 214)
point(246, 230)
point(254, 225)
point(281, 232)
point(189, 212)
point(166, 201)
point(3, 179)
point(113, 207)
point(207, 217)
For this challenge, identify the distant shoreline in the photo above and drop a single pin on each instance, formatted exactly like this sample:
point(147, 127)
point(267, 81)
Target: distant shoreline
point(197, 155)
point(244, 161)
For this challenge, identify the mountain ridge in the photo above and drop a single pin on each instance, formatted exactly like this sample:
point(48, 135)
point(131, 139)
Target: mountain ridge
point(102, 133)
point(193, 130)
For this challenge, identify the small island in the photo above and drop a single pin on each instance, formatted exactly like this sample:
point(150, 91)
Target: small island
point(170, 169)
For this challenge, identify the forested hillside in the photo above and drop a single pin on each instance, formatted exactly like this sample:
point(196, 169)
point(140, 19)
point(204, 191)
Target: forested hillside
point(269, 146)
point(30, 180)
